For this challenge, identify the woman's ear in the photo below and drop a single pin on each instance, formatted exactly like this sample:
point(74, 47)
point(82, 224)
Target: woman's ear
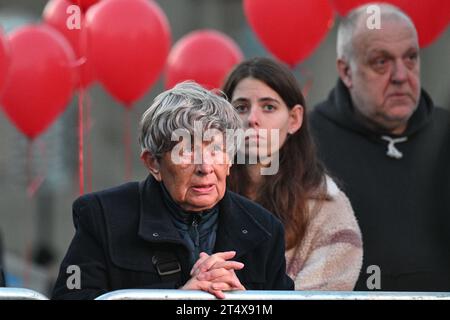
point(152, 164)
point(295, 118)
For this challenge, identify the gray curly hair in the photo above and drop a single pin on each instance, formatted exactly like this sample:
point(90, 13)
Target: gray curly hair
point(179, 108)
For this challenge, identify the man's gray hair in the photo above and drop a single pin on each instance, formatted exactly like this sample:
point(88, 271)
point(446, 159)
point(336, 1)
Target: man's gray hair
point(349, 25)
point(179, 108)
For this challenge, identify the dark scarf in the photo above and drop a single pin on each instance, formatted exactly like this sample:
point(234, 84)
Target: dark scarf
point(198, 229)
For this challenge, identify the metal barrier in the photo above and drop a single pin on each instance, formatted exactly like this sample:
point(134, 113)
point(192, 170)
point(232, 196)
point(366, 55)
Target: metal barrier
point(155, 294)
point(165, 294)
point(20, 294)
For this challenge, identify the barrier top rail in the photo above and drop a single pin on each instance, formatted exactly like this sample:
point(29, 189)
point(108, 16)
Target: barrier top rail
point(20, 294)
point(155, 294)
point(165, 294)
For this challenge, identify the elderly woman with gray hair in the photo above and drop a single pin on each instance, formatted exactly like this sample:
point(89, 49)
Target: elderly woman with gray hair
point(180, 228)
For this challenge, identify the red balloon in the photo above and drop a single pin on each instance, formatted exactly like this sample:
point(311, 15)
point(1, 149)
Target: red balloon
point(40, 80)
point(128, 43)
point(84, 4)
point(431, 17)
point(345, 6)
point(205, 56)
point(71, 25)
point(290, 30)
point(4, 60)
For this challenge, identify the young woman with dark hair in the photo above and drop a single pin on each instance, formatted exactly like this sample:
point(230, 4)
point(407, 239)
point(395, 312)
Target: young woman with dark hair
point(323, 240)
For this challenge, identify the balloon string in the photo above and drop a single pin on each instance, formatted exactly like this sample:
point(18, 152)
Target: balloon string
point(80, 141)
point(89, 142)
point(29, 164)
point(127, 144)
point(27, 255)
point(33, 183)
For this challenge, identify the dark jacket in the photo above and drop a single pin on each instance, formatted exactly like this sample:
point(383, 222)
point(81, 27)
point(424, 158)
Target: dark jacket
point(402, 204)
point(118, 232)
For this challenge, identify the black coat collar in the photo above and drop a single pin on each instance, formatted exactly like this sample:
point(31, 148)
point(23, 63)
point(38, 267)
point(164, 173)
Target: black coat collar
point(238, 230)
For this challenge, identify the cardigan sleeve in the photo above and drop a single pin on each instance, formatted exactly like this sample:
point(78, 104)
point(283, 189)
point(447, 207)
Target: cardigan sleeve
point(330, 257)
point(277, 278)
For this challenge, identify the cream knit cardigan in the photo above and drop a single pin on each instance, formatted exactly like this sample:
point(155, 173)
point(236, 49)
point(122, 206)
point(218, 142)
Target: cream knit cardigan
point(330, 256)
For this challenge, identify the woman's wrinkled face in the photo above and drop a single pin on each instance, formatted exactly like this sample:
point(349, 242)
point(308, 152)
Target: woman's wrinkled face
point(195, 176)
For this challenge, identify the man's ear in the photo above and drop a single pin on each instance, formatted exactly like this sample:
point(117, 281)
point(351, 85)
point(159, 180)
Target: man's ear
point(295, 118)
point(345, 73)
point(152, 164)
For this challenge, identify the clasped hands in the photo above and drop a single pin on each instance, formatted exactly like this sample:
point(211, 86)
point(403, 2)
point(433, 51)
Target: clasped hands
point(215, 274)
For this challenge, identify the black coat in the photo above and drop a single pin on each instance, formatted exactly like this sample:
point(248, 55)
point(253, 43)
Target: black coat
point(119, 230)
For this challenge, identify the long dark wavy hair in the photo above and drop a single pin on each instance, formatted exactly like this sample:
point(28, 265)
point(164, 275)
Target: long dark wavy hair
point(301, 176)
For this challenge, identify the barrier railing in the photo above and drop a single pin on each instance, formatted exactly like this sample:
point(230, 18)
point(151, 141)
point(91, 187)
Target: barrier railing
point(164, 294)
point(20, 294)
point(155, 294)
